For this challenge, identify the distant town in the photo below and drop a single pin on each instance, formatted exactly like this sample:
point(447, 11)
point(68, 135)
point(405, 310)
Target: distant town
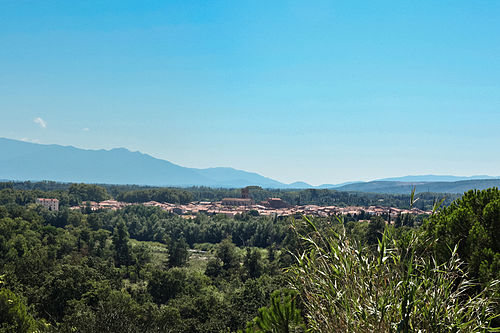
point(233, 206)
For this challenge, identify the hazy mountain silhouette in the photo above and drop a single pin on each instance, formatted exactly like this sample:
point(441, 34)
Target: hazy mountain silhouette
point(435, 178)
point(300, 185)
point(406, 187)
point(21, 160)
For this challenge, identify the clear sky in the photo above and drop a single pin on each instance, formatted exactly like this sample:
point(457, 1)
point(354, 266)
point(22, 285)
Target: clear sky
point(318, 91)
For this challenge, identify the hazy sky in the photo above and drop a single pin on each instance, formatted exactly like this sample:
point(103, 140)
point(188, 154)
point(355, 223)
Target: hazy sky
point(322, 92)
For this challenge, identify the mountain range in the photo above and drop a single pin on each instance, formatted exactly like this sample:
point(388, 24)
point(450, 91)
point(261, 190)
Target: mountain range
point(397, 187)
point(21, 160)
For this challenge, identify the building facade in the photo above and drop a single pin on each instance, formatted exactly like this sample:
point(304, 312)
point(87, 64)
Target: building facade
point(237, 202)
point(50, 204)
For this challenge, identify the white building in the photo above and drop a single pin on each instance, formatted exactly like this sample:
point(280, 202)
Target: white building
point(50, 204)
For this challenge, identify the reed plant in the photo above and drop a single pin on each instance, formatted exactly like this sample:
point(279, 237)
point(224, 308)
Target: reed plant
point(396, 287)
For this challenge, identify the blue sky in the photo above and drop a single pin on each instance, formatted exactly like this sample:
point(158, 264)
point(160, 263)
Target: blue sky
point(319, 91)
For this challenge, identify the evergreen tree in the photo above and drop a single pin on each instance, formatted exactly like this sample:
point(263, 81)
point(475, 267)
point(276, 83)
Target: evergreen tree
point(253, 263)
point(226, 253)
point(121, 245)
point(177, 252)
point(472, 223)
point(282, 316)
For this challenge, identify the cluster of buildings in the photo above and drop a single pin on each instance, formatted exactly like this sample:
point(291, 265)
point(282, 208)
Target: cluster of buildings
point(271, 207)
point(106, 204)
point(53, 204)
point(233, 206)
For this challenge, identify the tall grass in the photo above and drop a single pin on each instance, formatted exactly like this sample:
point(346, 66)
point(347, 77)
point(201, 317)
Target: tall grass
point(397, 287)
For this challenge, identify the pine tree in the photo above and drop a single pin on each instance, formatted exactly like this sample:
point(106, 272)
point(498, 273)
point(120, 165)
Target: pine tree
point(121, 244)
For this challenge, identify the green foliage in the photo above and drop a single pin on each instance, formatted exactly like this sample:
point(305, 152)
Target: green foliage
point(281, 316)
point(375, 230)
point(68, 282)
point(253, 263)
point(177, 252)
point(116, 311)
point(405, 220)
point(121, 245)
point(169, 195)
point(153, 224)
point(473, 224)
point(226, 261)
point(14, 316)
point(109, 271)
point(80, 277)
point(397, 288)
point(166, 285)
point(85, 192)
point(251, 296)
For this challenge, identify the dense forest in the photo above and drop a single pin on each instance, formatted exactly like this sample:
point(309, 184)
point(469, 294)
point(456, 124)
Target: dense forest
point(141, 269)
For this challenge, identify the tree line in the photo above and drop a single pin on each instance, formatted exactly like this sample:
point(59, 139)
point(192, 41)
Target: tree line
point(73, 194)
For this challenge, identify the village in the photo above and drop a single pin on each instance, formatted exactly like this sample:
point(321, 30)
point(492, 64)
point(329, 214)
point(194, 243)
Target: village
point(270, 207)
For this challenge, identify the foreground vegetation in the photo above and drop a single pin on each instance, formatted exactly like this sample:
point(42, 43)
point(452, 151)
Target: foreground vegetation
point(141, 269)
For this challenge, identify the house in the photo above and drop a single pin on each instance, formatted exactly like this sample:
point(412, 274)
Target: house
point(237, 202)
point(50, 204)
point(277, 203)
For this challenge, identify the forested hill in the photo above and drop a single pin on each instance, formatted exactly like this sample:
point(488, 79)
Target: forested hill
point(396, 187)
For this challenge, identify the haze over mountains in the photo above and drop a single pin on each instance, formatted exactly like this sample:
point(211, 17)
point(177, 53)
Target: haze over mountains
point(435, 178)
point(30, 161)
point(21, 160)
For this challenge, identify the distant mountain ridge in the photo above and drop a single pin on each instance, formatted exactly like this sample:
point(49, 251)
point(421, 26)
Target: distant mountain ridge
point(435, 178)
point(395, 187)
point(21, 160)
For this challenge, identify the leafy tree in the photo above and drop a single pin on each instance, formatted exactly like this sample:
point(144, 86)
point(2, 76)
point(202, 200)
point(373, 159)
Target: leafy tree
point(253, 264)
point(473, 224)
point(214, 268)
point(14, 316)
point(226, 253)
point(254, 294)
point(109, 311)
point(177, 252)
point(121, 245)
point(67, 283)
point(166, 285)
point(407, 220)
